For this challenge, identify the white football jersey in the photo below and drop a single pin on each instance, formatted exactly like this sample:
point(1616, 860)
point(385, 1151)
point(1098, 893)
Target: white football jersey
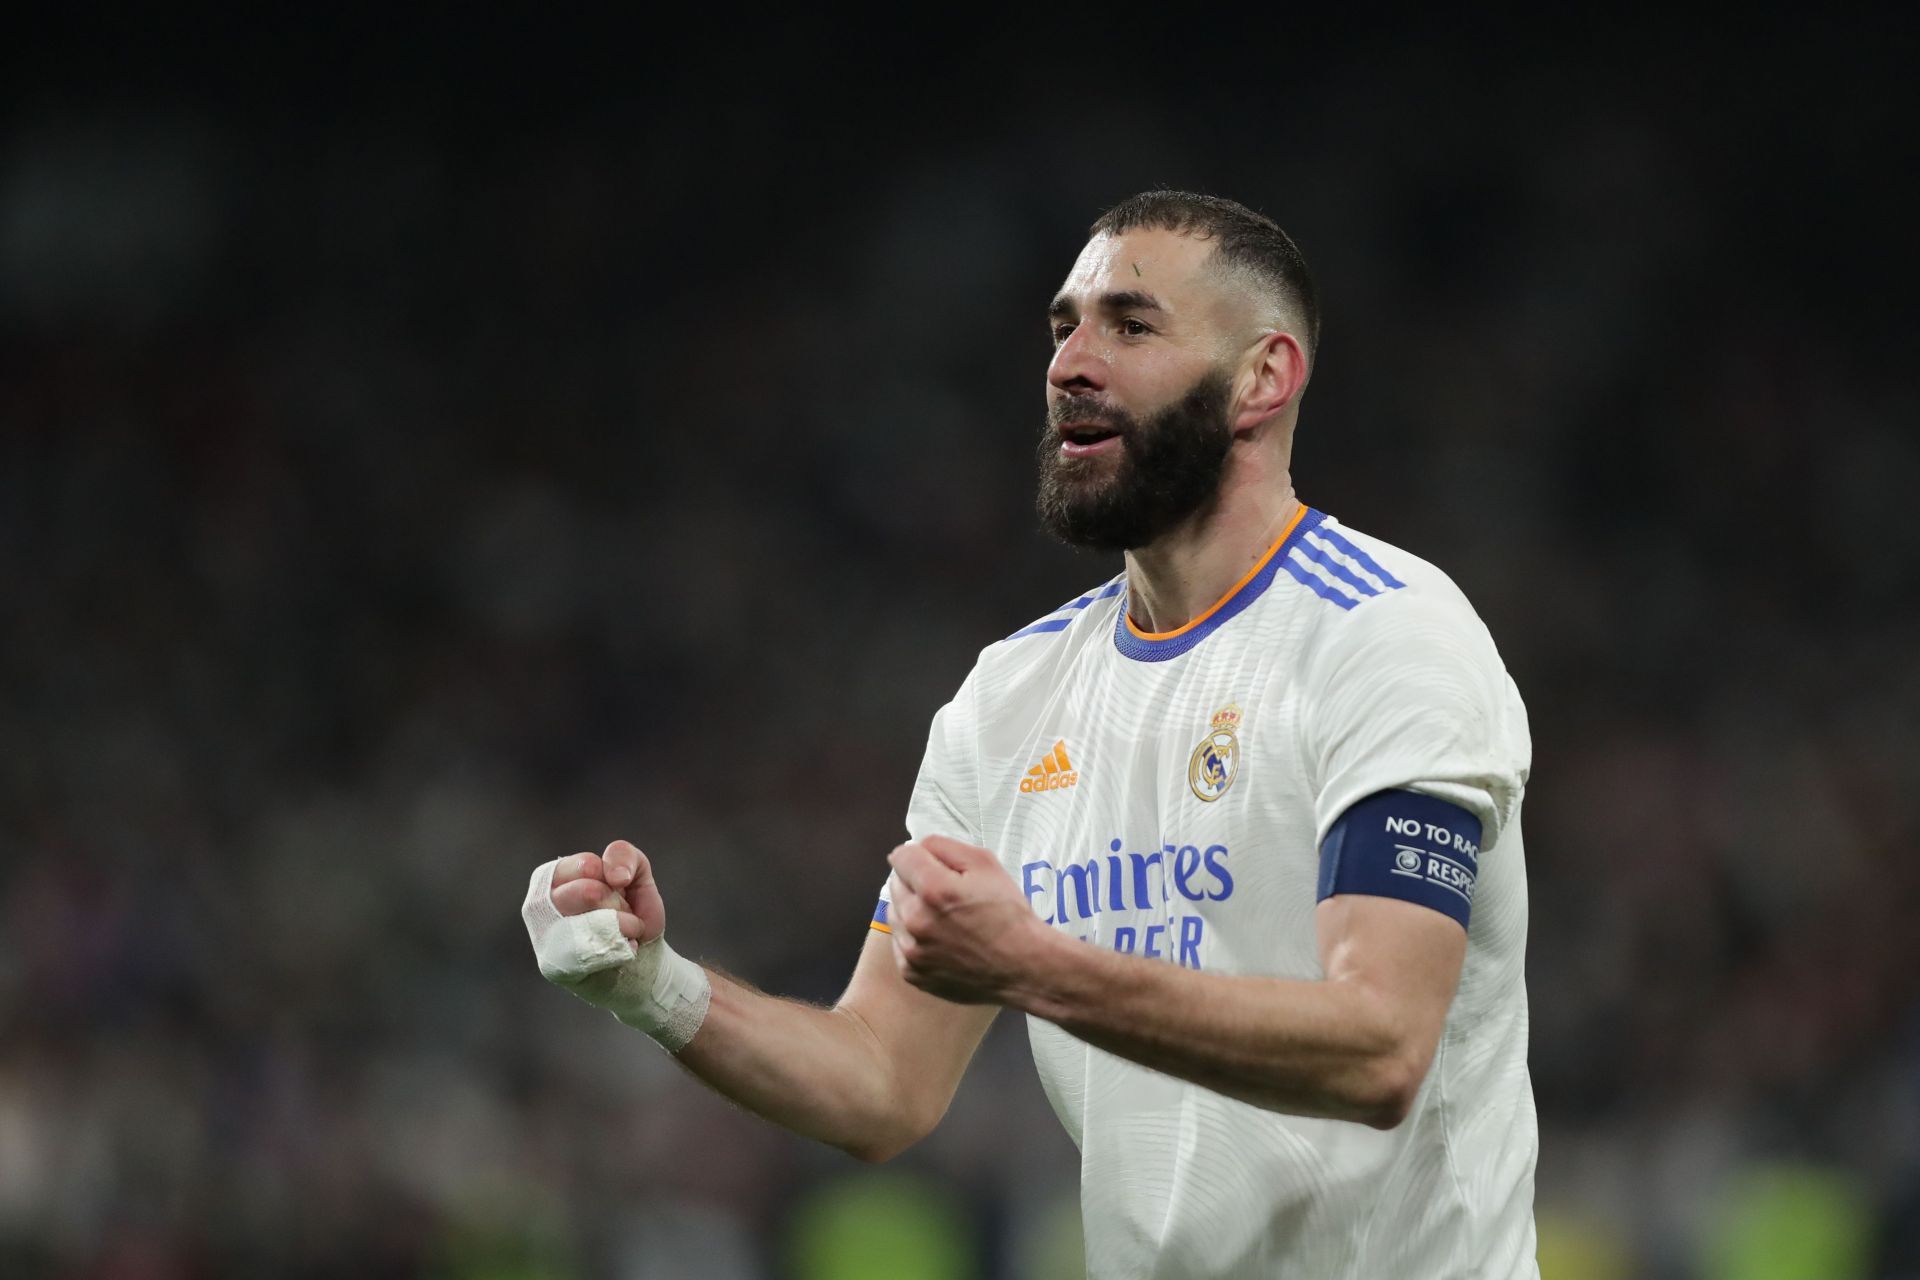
point(1166, 796)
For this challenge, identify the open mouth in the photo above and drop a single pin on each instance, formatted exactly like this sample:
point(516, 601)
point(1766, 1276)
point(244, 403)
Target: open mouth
point(1086, 439)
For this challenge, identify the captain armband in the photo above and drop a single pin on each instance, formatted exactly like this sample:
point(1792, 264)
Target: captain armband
point(1400, 844)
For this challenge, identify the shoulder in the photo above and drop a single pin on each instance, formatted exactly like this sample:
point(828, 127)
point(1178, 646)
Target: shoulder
point(1063, 618)
point(1382, 603)
point(1040, 651)
point(1349, 569)
point(1369, 583)
point(1403, 687)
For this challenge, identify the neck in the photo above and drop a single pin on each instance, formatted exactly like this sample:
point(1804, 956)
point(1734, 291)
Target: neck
point(1187, 571)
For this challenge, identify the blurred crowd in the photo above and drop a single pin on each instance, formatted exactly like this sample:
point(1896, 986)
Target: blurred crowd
point(396, 498)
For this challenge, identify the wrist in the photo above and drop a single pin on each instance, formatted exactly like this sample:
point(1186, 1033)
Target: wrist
point(661, 993)
point(649, 987)
point(1042, 974)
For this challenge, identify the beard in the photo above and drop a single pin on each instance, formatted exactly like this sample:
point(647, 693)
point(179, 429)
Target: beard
point(1166, 468)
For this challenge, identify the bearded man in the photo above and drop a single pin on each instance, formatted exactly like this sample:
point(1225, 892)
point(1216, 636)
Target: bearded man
point(1237, 830)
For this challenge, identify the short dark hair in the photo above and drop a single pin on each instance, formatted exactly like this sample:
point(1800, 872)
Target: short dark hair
point(1243, 238)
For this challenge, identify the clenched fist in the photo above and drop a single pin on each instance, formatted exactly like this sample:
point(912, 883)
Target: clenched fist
point(620, 880)
point(597, 924)
point(962, 930)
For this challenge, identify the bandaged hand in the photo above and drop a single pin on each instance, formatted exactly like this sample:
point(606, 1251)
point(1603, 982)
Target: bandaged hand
point(597, 924)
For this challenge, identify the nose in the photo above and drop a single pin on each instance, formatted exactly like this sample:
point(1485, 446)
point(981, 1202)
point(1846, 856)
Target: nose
point(1078, 365)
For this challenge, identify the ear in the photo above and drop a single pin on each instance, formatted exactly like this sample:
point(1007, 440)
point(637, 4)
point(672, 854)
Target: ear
point(1274, 376)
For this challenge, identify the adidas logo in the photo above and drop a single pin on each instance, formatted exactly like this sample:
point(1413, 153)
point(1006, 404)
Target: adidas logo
point(1054, 772)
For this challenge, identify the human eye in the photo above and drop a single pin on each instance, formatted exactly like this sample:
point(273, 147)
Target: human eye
point(1135, 327)
point(1061, 331)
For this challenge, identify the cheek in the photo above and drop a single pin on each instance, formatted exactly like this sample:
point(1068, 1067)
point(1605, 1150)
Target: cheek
point(1149, 380)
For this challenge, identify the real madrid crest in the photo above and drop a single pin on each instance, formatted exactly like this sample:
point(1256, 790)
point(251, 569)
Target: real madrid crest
point(1216, 760)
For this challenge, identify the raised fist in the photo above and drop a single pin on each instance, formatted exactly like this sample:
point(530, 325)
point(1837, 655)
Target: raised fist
point(621, 879)
point(598, 929)
point(588, 915)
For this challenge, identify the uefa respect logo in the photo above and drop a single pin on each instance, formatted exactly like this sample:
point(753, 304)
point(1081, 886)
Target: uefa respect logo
point(1451, 865)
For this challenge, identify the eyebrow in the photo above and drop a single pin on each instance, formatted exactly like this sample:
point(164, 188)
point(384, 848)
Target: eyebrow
point(1118, 300)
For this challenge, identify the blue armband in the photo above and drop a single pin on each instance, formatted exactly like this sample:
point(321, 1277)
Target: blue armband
point(1400, 844)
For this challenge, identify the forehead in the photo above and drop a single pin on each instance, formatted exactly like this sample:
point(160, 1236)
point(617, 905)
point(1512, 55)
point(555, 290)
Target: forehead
point(1165, 263)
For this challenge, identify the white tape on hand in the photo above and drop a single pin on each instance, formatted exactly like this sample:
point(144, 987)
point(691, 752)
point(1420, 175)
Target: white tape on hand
point(651, 988)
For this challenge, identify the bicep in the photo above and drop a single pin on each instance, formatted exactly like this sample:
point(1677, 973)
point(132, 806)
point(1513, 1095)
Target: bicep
point(926, 1042)
point(1407, 957)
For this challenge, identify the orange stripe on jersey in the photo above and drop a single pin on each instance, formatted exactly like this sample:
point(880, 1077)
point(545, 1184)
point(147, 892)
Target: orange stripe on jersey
point(1232, 591)
point(877, 927)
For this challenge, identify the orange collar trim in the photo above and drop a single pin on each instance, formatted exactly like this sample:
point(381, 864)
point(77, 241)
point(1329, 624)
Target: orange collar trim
point(1232, 591)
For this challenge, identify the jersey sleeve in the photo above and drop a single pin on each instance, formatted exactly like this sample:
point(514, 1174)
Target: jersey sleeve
point(946, 794)
point(1411, 695)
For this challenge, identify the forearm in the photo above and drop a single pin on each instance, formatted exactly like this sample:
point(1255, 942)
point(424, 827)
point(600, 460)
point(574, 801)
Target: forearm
point(818, 1072)
point(1317, 1048)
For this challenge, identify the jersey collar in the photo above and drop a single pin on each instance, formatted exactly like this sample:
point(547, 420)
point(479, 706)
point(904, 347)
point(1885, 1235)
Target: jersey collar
point(1158, 646)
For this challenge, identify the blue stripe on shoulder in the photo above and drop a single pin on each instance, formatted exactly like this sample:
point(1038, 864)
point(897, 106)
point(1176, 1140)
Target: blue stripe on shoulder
point(1338, 570)
point(1319, 588)
point(1113, 588)
point(1045, 624)
point(1367, 562)
point(1072, 608)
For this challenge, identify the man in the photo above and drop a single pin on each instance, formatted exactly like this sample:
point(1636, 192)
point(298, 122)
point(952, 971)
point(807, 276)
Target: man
point(1272, 773)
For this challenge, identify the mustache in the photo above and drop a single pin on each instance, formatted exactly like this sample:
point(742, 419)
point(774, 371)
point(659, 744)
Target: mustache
point(1062, 412)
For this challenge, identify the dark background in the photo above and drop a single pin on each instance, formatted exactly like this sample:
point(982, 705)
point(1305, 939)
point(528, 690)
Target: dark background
point(431, 445)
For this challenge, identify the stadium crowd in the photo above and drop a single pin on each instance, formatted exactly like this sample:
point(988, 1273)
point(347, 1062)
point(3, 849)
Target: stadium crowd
point(390, 504)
